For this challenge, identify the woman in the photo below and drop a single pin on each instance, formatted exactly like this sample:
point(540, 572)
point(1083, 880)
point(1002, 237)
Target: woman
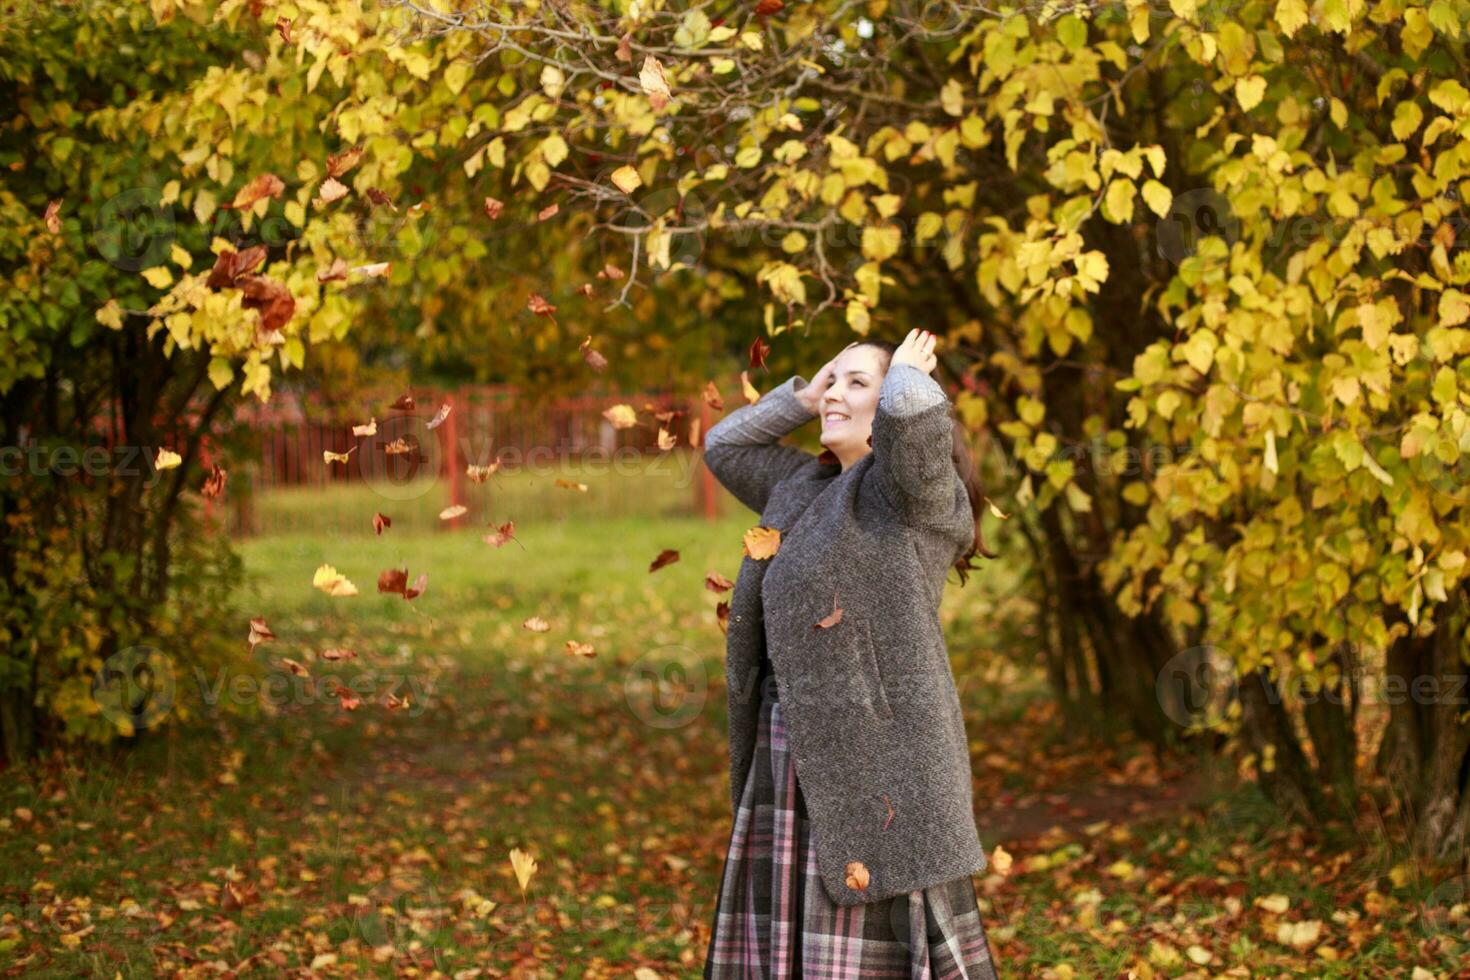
point(854, 836)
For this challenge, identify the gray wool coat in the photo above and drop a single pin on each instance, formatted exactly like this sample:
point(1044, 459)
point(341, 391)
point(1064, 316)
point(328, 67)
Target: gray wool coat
point(872, 714)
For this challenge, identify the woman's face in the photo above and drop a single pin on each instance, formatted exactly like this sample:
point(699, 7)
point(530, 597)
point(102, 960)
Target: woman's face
point(849, 403)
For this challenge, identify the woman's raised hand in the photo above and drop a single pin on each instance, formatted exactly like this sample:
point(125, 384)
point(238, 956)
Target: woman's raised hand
point(917, 350)
point(811, 395)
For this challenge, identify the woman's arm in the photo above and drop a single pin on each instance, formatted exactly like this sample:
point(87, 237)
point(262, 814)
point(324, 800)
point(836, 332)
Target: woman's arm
point(742, 449)
point(913, 439)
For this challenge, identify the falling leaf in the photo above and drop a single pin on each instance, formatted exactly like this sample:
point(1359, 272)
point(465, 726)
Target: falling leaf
point(439, 417)
point(665, 439)
point(610, 272)
point(579, 649)
point(398, 447)
point(332, 582)
point(594, 360)
point(272, 299)
point(346, 697)
point(452, 511)
point(621, 416)
point(52, 217)
point(751, 395)
point(167, 459)
point(259, 632)
point(832, 618)
point(536, 624)
point(762, 542)
point(524, 866)
point(336, 272)
point(369, 428)
point(585, 289)
point(394, 702)
point(571, 485)
point(716, 582)
point(330, 457)
point(694, 429)
point(494, 208)
point(214, 483)
point(479, 474)
point(626, 179)
point(404, 403)
point(295, 667)
point(264, 186)
point(996, 510)
point(857, 875)
point(712, 397)
point(666, 557)
point(331, 190)
point(505, 532)
point(1001, 860)
point(537, 304)
point(381, 522)
point(625, 48)
point(230, 265)
point(548, 212)
point(758, 351)
point(655, 83)
point(339, 163)
point(396, 580)
point(337, 654)
point(375, 270)
point(722, 615)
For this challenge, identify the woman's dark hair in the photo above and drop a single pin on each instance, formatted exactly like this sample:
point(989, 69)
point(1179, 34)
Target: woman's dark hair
point(964, 465)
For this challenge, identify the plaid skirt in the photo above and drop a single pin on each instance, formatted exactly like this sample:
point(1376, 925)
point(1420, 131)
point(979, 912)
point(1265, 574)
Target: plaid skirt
point(775, 921)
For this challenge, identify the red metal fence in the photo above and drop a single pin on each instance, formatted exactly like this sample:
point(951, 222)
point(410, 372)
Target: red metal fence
point(484, 424)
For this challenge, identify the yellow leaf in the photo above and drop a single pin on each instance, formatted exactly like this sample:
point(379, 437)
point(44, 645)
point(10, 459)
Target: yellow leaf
point(1291, 15)
point(762, 542)
point(524, 866)
point(1158, 197)
point(1454, 307)
point(1277, 904)
point(1249, 91)
point(180, 256)
point(332, 582)
point(110, 315)
point(158, 277)
point(167, 459)
point(1001, 860)
point(553, 149)
point(626, 179)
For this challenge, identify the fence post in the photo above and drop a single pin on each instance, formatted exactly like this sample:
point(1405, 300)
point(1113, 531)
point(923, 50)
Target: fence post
point(707, 492)
point(452, 459)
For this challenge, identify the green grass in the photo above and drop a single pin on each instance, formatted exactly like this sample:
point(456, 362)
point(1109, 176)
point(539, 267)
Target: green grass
point(376, 838)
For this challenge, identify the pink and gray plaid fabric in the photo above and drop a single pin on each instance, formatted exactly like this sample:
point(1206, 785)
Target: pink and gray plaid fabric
point(774, 920)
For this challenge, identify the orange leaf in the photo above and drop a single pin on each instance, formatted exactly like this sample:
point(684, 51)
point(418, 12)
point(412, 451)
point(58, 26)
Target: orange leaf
point(762, 542)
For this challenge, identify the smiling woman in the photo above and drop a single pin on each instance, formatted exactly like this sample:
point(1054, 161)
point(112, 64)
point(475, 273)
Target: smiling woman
point(853, 839)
